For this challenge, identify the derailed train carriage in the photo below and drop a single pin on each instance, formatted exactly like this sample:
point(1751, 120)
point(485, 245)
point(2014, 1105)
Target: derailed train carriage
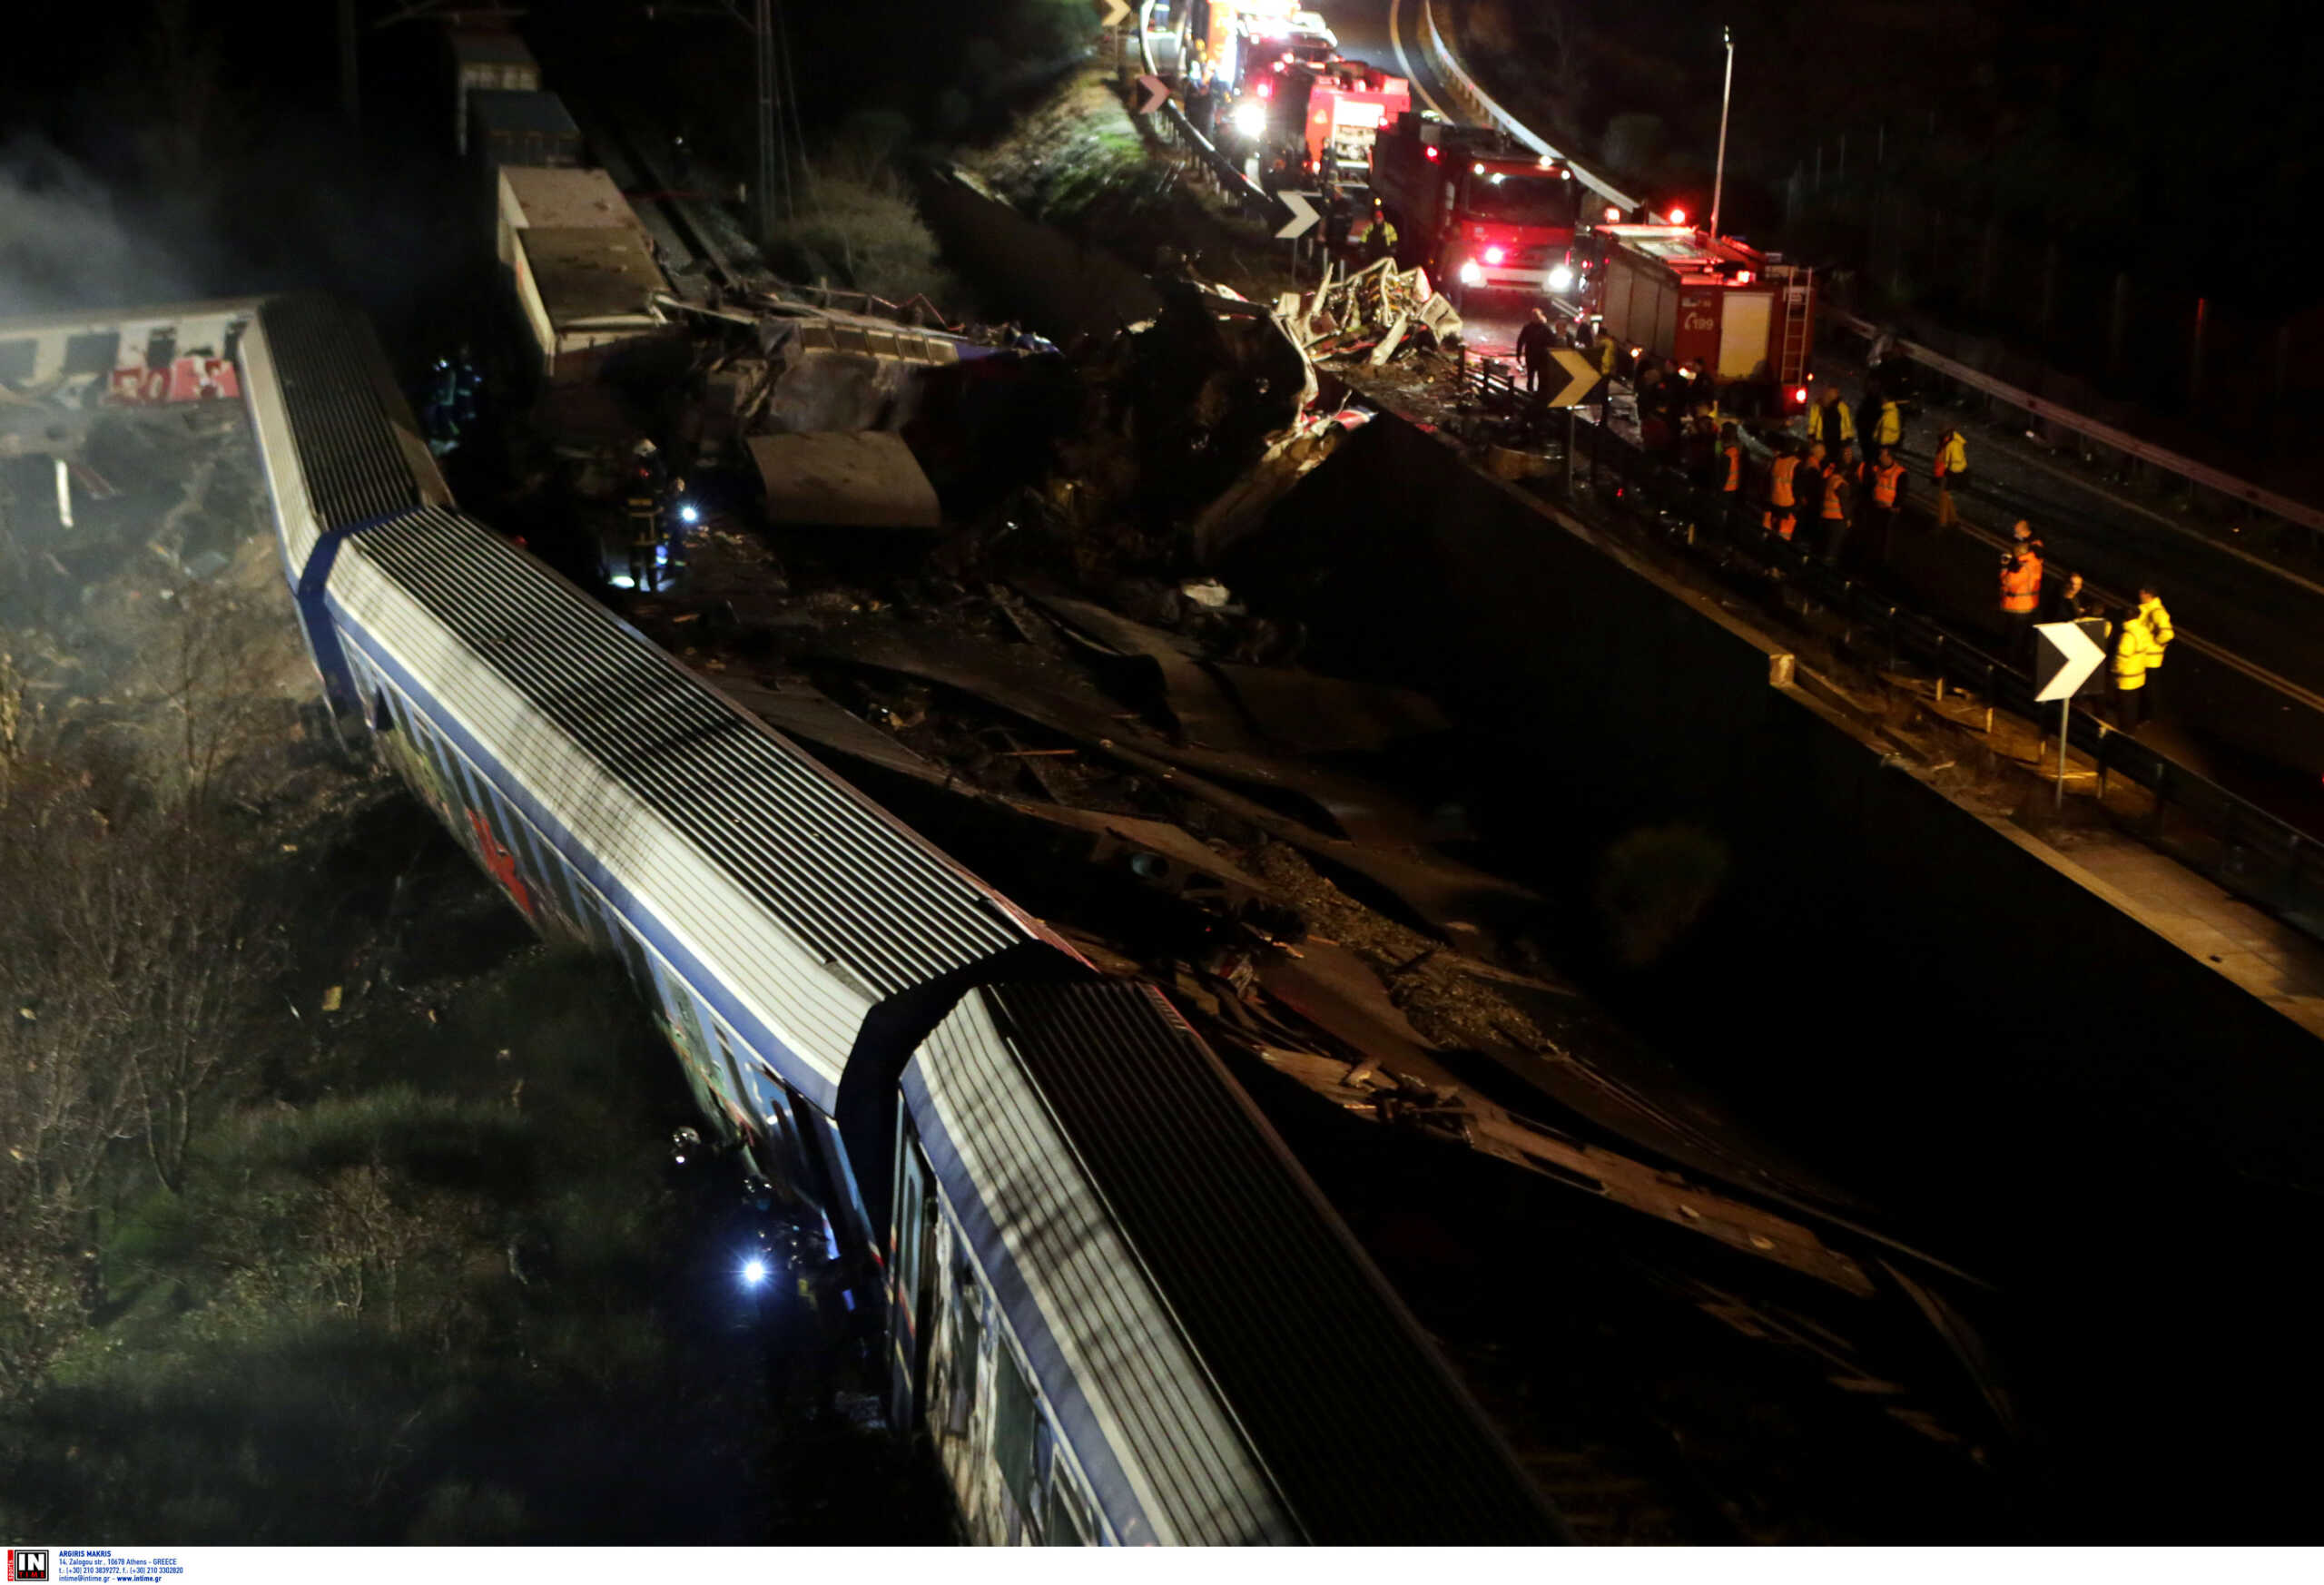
point(1118, 1308)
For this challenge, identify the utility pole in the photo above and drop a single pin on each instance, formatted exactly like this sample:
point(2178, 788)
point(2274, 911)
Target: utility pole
point(772, 200)
point(1718, 176)
point(349, 83)
point(763, 191)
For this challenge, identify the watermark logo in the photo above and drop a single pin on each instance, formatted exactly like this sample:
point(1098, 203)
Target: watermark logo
point(28, 1562)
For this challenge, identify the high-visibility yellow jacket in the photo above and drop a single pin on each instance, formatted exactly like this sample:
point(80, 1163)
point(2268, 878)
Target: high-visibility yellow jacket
point(2139, 648)
point(1953, 455)
point(1889, 428)
point(1842, 427)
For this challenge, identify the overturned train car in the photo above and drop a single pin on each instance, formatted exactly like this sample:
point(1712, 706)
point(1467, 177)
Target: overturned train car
point(1118, 1311)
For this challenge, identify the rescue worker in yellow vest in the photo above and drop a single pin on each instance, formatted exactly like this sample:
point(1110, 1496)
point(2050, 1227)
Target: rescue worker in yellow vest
point(1888, 428)
point(2021, 593)
point(1380, 242)
point(1831, 421)
point(2138, 654)
point(1838, 513)
point(1884, 489)
point(1604, 352)
point(1951, 472)
point(1781, 516)
point(1729, 466)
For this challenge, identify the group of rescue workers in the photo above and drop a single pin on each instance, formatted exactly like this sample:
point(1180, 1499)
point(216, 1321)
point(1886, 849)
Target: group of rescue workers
point(1840, 481)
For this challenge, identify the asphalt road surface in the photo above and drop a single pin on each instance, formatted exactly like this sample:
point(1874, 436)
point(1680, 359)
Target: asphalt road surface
point(2224, 585)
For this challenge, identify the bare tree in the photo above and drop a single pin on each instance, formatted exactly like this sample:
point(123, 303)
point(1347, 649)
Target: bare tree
point(224, 645)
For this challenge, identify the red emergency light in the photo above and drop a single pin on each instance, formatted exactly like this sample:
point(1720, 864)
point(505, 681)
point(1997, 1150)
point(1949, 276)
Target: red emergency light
point(1678, 217)
point(1613, 214)
point(1430, 151)
point(1496, 254)
point(1800, 395)
point(1267, 88)
point(1742, 277)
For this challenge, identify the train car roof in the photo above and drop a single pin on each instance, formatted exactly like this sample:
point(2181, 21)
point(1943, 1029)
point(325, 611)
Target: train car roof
point(774, 821)
point(1047, 1110)
point(359, 455)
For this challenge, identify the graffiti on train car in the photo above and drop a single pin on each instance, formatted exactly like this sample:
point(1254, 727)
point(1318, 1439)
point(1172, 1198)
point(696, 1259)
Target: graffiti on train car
point(192, 378)
point(76, 364)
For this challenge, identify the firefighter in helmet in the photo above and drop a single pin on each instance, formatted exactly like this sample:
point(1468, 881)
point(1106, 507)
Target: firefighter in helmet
point(642, 500)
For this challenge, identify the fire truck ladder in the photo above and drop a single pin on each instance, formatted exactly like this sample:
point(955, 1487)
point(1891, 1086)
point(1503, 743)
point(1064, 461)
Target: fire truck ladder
point(1798, 302)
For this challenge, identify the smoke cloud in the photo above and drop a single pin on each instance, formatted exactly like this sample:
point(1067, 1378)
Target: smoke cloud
point(66, 244)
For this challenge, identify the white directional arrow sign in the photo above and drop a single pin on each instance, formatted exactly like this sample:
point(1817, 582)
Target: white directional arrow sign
point(1581, 376)
point(1153, 93)
point(1303, 215)
point(2068, 655)
point(1117, 12)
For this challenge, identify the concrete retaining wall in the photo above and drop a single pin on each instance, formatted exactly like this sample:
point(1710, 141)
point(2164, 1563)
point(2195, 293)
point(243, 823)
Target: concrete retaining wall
point(1873, 946)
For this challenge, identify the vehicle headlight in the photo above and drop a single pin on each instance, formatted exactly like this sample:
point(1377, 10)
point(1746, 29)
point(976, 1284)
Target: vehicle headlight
point(1250, 118)
point(1470, 274)
point(687, 513)
point(1560, 278)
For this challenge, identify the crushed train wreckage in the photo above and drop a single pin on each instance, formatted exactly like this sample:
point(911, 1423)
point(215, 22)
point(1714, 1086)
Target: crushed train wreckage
point(975, 574)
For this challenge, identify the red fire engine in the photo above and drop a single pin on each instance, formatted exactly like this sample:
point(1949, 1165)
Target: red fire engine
point(1678, 294)
point(1342, 109)
point(1482, 211)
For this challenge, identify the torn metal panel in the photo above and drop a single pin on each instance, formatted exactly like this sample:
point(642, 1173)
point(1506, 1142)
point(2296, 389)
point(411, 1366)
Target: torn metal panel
point(1319, 715)
point(1459, 1116)
point(1205, 714)
point(1445, 899)
point(797, 710)
point(1049, 694)
point(1165, 856)
point(861, 479)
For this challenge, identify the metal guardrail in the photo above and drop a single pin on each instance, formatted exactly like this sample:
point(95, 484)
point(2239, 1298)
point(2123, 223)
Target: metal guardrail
point(2105, 435)
point(1486, 108)
point(1170, 123)
point(2214, 831)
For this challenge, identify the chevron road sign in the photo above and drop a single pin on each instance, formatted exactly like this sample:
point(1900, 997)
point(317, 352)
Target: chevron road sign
point(1117, 12)
point(1153, 94)
point(2070, 652)
point(1581, 378)
point(1303, 216)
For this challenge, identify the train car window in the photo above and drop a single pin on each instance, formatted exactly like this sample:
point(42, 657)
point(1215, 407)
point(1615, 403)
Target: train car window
point(18, 358)
point(95, 353)
point(1015, 1414)
point(574, 899)
point(965, 1338)
point(633, 951)
point(448, 773)
point(502, 821)
point(912, 1262)
point(1069, 1519)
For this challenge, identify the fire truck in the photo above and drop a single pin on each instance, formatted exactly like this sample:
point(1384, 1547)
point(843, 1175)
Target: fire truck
point(1479, 209)
point(1240, 39)
point(1325, 118)
point(1678, 293)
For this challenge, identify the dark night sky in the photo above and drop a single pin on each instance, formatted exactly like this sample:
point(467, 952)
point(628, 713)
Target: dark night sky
point(2185, 132)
